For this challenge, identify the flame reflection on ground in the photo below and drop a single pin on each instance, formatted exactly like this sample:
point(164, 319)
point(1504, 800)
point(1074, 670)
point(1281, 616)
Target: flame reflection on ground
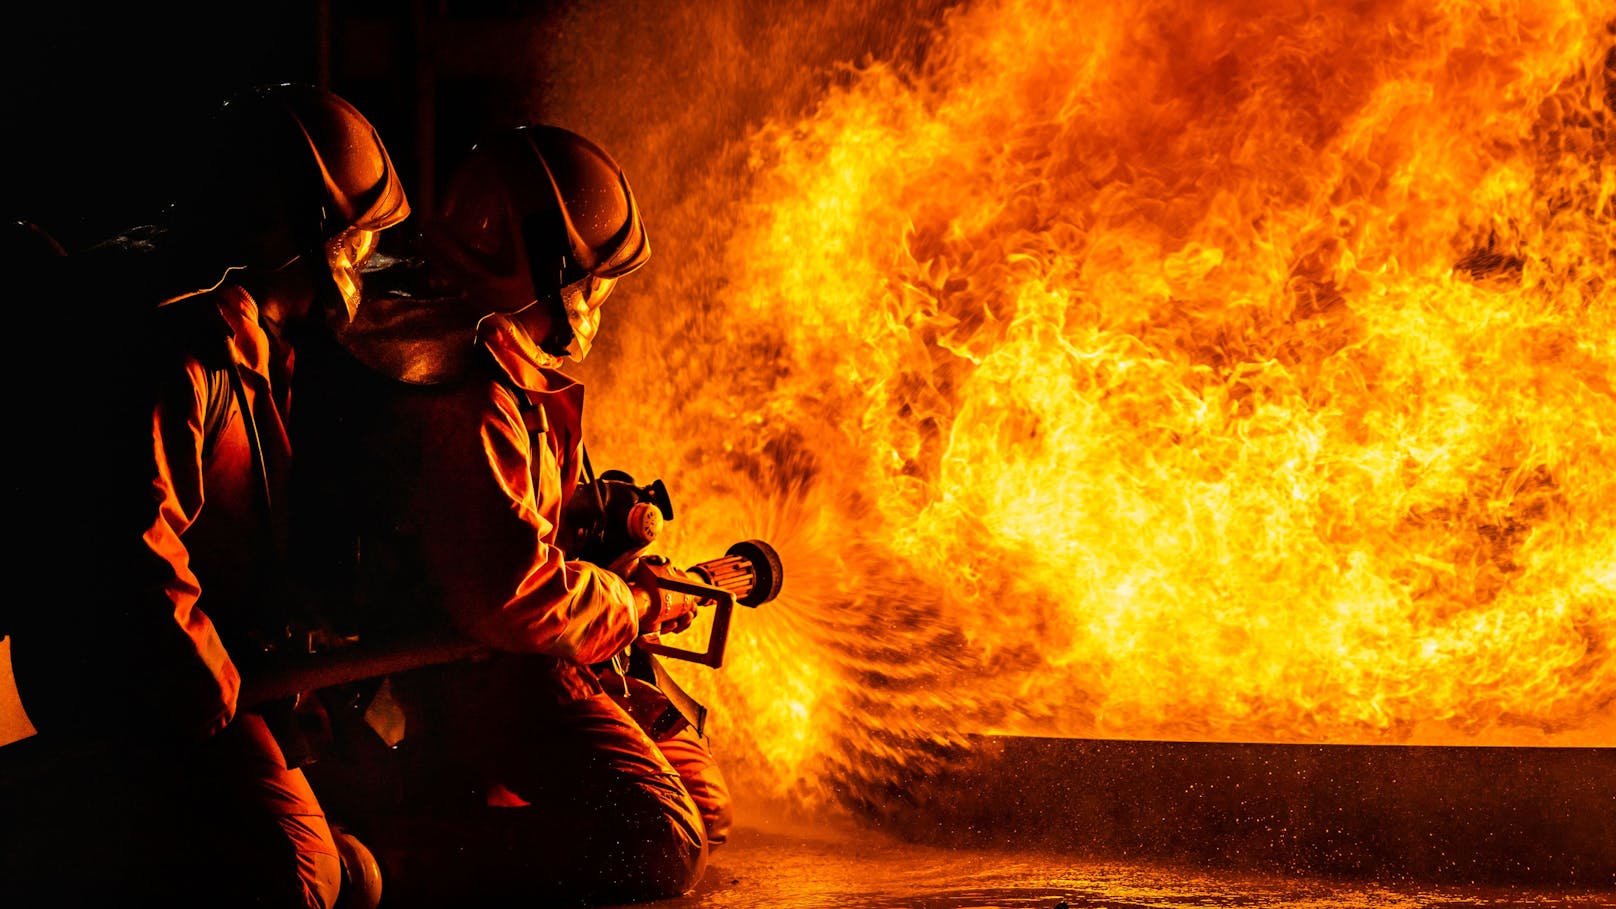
point(822, 869)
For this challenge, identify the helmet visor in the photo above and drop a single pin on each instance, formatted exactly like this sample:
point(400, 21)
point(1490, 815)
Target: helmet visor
point(582, 301)
point(346, 254)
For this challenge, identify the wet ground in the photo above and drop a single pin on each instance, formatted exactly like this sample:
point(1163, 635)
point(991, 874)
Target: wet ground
point(808, 868)
point(1030, 822)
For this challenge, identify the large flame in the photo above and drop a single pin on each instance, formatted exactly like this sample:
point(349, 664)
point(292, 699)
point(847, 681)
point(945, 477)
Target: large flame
point(1212, 371)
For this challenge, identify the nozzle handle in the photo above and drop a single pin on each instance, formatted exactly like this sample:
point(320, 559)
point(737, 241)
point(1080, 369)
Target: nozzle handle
point(717, 640)
point(748, 573)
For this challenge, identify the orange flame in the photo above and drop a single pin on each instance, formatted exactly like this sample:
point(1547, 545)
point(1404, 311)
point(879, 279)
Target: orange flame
point(1192, 371)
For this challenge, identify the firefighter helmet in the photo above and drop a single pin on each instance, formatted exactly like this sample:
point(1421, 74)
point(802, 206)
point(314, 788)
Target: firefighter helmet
point(298, 172)
point(26, 241)
point(540, 216)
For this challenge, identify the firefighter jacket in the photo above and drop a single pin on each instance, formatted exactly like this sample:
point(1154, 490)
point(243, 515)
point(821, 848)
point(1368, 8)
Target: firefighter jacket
point(449, 456)
point(178, 544)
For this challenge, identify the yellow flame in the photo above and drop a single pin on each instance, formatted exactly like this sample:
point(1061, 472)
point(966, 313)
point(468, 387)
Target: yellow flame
point(1222, 371)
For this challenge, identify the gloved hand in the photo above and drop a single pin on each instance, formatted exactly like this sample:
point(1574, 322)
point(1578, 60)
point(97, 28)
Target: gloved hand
point(661, 611)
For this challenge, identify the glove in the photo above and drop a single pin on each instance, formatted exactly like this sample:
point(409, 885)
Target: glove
point(661, 611)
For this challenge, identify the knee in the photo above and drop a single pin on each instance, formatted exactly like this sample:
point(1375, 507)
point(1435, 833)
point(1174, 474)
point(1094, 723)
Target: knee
point(322, 882)
point(361, 874)
point(310, 879)
point(699, 774)
point(669, 857)
point(656, 847)
point(718, 817)
point(711, 795)
point(660, 841)
point(632, 847)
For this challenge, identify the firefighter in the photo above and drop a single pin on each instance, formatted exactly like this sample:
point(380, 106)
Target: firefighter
point(446, 467)
point(165, 473)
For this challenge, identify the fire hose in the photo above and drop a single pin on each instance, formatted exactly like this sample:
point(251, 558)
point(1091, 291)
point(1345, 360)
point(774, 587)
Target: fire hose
point(749, 574)
point(613, 522)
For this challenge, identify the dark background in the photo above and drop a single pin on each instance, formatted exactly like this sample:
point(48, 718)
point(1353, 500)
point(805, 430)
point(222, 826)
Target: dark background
point(101, 99)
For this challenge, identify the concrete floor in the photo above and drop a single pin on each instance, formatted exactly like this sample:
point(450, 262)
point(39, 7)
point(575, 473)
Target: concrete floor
point(808, 868)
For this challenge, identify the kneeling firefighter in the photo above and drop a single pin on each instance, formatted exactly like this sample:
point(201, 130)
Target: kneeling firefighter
point(159, 474)
point(435, 502)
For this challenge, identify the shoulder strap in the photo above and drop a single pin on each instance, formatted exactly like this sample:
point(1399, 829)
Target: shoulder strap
point(533, 415)
point(224, 385)
point(216, 409)
point(196, 325)
point(538, 424)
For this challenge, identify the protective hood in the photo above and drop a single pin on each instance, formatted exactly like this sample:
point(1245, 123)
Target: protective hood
point(426, 338)
point(418, 340)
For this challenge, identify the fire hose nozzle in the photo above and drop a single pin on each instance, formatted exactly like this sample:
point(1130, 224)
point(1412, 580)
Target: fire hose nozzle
point(750, 569)
point(749, 573)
